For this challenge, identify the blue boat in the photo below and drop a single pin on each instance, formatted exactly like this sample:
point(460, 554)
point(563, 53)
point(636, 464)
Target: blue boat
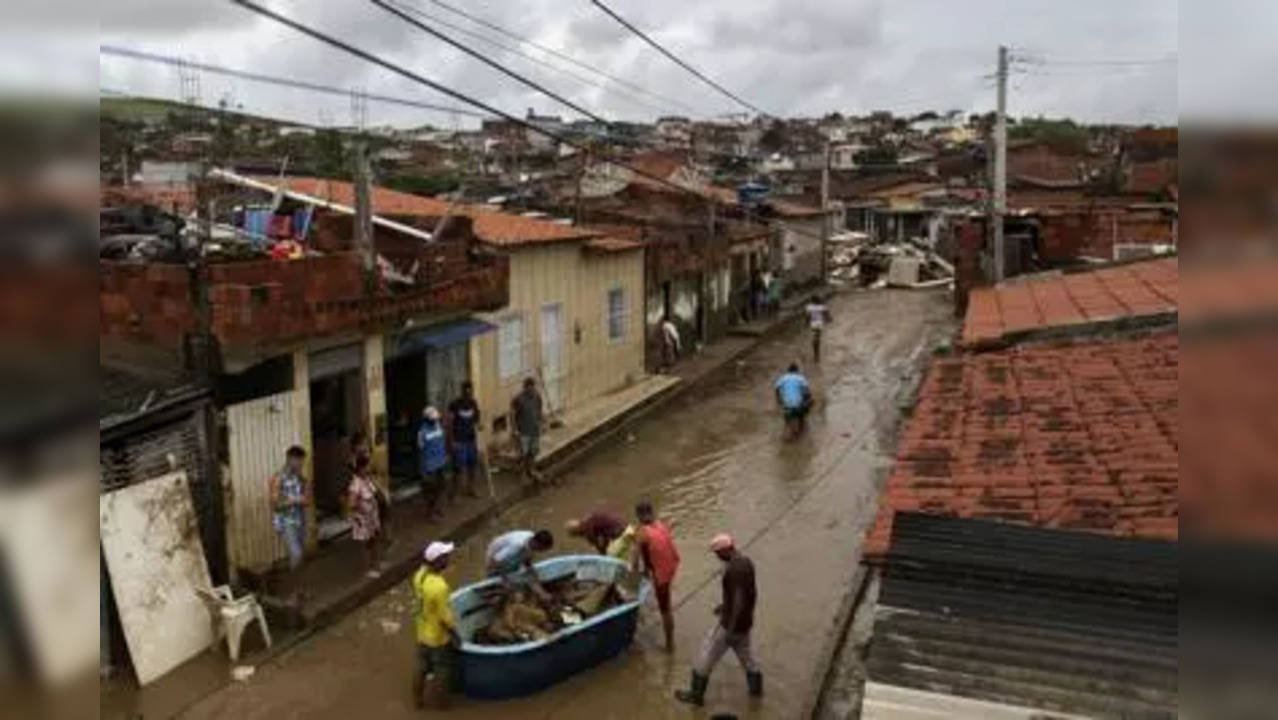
point(505, 671)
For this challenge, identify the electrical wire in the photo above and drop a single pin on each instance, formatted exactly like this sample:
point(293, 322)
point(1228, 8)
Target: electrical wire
point(678, 61)
point(531, 58)
point(563, 56)
point(462, 97)
point(394, 10)
point(122, 52)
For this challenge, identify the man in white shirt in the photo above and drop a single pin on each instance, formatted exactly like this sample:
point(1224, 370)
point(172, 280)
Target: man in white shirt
point(670, 343)
point(818, 316)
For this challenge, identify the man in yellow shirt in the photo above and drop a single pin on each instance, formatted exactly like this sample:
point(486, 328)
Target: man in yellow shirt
point(436, 626)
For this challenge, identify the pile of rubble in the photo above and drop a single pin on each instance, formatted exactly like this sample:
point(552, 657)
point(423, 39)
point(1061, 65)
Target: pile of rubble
point(907, 265)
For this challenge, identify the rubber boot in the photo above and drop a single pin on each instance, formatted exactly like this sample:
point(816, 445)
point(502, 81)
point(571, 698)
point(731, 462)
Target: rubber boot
point(696, 695)
point(755, 682)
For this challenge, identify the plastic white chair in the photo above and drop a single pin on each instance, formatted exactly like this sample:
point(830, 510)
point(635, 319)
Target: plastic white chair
point(231, 615)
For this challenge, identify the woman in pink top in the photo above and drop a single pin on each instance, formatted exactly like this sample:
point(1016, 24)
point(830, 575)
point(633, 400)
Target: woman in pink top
point(660, 561)
point(361, 503)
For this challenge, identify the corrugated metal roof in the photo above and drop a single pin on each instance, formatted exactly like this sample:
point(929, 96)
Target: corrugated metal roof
point(1055, 620)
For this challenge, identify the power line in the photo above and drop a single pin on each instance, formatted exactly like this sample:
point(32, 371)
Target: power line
point(677, 61)
point(516, 51)
point(276, 80)
point(563, 56)
point(462, 97)
point(486, 60)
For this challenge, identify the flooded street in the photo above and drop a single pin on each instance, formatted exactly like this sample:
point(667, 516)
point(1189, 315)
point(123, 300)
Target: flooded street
point(712, 460)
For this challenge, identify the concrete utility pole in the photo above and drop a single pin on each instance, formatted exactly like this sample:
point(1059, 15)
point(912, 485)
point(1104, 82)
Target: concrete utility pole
point(364, 215)
point(999, 206)
point(825, 213)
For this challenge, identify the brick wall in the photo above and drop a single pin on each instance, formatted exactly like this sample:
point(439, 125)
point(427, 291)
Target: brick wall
point(1093, 233)
point(147, 304)
point(269, 302)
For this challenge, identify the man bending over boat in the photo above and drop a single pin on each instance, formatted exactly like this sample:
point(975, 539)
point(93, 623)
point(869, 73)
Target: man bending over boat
point(510, 557)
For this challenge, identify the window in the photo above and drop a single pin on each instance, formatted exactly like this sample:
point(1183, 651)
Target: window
point(616, 314)
point(510, 347)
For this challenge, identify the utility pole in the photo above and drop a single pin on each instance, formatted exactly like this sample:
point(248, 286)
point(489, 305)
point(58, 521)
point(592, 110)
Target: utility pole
point(999, 206)
point(825, 213)
point(364, 216)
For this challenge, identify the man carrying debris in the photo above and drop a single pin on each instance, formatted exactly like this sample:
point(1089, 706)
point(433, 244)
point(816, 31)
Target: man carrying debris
point(435, 625)
point(818, 316)
point(607, 533)
point(736, 619)
point(660, 560)
point(510, 557)
point(527, 410)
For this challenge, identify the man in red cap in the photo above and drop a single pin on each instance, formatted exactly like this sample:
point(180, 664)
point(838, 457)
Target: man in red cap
point(736, 618)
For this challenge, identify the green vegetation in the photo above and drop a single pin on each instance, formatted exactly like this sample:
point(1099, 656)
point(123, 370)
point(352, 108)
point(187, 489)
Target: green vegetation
point(1064, 135)
point(435, 184)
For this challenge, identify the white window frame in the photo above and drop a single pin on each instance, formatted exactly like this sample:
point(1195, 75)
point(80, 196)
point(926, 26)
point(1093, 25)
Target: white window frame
point(511, 358)
point(624, 318)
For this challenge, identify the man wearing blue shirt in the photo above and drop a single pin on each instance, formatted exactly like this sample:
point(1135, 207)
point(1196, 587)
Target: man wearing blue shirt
point(433, 451)
point(795, 398)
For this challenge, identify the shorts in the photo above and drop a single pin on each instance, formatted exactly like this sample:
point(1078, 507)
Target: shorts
point(529, 446)
point(663, 598)
point(796, 413)
point(465, 455)
point(433, 480)
point(434, 660)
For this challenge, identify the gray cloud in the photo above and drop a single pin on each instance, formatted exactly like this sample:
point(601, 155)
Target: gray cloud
point(789, 56)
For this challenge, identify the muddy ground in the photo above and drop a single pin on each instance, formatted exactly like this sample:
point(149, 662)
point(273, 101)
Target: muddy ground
point(712, 460)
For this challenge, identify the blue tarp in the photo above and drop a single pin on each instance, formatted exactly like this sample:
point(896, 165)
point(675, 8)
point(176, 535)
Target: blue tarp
point(439, 336)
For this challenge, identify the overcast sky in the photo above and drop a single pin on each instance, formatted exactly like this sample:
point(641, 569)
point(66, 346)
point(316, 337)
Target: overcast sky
point(789, 57)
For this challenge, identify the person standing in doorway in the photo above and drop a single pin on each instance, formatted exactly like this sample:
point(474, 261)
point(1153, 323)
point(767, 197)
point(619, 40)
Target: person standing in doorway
point(433, 452)
point(774, 293)
point(660, 561)
point(527, 410)
point(290, 495)
point(463, 417)
point(362, 510)
point(818, 316)
point(671, 346)
point(436, 626)
point(736, 620)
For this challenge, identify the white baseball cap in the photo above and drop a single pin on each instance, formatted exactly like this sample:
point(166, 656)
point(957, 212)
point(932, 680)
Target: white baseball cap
point(437, 549)
point(432, 413)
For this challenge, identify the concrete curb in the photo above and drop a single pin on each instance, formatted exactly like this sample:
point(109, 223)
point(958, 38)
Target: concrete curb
point(834, 642)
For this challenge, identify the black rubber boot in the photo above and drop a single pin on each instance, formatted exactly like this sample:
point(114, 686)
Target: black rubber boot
point(695, 695)
point(755, 681)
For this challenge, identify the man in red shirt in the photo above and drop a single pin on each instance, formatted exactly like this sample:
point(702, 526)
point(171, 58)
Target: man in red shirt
point(598, 528)
point(660, 561)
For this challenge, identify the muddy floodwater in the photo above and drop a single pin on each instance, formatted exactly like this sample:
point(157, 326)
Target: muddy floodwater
point(712, 461)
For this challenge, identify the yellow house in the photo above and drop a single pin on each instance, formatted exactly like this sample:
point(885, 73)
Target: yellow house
point(575, 322)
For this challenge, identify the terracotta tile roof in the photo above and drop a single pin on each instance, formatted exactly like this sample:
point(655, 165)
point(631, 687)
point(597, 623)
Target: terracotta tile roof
point(1081, 437)
point(1121, 291)
point(491, 226)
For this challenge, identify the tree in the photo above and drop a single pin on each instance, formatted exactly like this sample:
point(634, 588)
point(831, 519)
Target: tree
point(926, 115)
point(775, 138)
